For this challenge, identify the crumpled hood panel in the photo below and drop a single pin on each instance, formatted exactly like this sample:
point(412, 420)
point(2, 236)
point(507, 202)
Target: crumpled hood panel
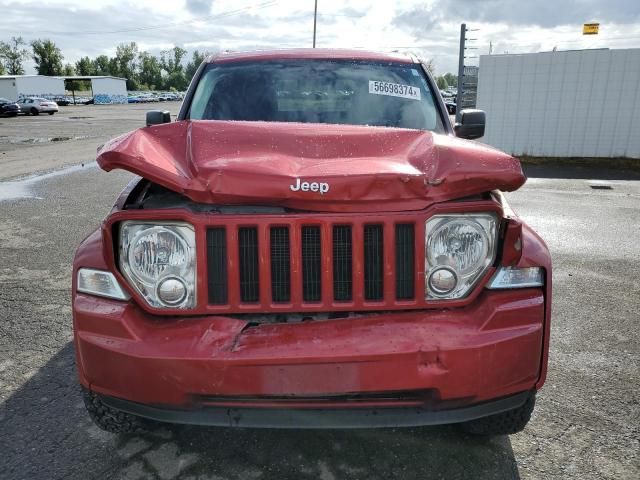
point(365, 168)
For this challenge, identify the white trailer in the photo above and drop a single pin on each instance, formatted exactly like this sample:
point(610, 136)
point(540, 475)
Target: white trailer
point(105, 89)
point(580, 103)
point(108, 90)
point(14, 87)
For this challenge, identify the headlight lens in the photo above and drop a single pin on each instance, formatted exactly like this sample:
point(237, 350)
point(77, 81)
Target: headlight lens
point(159, 261)
point(460, 248)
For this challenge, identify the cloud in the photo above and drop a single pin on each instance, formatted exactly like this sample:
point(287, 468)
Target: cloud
point(512, 26)
point(94, 30)
point(353, 12)
point(419, 19)
point(542, 13)
point(199, 7)
point(429, 28)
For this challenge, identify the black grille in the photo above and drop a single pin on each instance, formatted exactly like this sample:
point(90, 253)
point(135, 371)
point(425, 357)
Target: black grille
point(249, 268)
point(311, 264)
point(405, 261)
point(217, 265)
point(298, 253)
point(373, 262)
point(342, 268)
point(280, 265)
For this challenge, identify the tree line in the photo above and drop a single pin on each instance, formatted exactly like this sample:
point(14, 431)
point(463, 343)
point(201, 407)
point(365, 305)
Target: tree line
point(447, 80)
point(142, 70)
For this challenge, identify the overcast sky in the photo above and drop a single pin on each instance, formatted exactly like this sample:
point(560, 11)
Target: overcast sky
point(429, 28)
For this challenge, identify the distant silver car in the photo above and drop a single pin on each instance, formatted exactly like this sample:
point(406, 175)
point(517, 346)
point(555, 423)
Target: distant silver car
point(36, 106)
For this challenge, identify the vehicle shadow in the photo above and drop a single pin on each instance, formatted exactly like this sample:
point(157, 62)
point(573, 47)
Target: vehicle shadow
point(45, 433)
point(579, 172)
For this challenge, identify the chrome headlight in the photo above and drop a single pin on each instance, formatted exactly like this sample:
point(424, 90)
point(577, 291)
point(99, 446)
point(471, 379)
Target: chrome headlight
point(158, 259)
point(459, 249)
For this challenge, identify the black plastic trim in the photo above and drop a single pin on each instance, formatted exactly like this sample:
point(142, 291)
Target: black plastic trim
point(329, 418)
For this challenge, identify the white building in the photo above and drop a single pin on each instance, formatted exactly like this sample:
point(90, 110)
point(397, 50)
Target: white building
point(105, 89)
point(13, 87)
point(581, 103)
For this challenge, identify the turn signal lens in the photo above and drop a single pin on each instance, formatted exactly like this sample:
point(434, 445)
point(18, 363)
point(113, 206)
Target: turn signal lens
point(513, 277)
point(100, 283)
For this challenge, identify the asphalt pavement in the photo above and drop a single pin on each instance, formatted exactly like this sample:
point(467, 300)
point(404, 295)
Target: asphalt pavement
point(586, 422)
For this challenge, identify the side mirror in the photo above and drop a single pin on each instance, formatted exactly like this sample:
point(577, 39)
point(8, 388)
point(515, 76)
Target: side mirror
point(471, 124)
point(156, 117)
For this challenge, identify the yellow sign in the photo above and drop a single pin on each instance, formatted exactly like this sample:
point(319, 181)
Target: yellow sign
point(590, 28)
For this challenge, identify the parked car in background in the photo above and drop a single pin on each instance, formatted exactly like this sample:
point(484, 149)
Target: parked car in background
point(36, 106)
point(451, 106)
point(148, 97)
point(9, 108)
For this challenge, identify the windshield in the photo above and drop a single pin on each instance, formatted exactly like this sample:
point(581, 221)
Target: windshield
point(318, 91)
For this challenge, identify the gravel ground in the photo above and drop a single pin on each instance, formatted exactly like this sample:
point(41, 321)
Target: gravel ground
point(586, 423)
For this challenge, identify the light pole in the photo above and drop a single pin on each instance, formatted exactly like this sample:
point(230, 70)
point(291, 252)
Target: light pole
point(460, 92)
point(315, 19)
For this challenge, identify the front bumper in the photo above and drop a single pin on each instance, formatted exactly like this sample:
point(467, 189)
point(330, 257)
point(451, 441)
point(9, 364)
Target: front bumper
point(436, 360)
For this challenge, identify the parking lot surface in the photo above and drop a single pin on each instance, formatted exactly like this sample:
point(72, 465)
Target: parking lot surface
point(70, 137)
point(586, 423)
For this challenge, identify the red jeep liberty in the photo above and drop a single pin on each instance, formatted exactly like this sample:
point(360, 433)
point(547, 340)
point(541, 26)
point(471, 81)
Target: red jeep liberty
point(310, 245)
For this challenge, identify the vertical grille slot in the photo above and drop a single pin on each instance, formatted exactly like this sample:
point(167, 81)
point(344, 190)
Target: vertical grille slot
point(280, 265)
point(311, 264)
point(248, 263)
point(405, 261)
point(342, 267)
point(373, 262)
point(217, 265)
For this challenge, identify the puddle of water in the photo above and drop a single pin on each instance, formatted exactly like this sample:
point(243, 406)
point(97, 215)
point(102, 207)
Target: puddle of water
point(23, 188)
point(36, 140)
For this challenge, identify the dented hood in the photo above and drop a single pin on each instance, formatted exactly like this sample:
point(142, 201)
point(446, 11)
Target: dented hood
point(354, 168)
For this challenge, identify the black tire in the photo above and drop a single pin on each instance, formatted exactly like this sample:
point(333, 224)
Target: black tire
point(110, 419)
point(34, 111)
point(505, 423)
point(51, 113)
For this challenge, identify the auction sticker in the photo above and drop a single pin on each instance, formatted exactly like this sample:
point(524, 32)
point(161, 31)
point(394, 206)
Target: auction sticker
point(394, 90)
